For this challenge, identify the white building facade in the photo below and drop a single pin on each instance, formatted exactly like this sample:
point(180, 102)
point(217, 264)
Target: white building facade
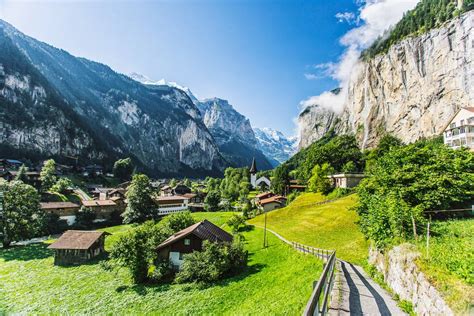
point(460, 130)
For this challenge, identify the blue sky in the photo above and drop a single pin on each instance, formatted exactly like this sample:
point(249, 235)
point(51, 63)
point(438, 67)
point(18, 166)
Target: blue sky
point(253, 53)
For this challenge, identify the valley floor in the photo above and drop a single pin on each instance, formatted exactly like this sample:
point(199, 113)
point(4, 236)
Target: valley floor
point(278, 281)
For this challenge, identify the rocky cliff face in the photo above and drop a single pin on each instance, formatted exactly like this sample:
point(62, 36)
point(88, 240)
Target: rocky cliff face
point(412, 91)
point(232, 132)
point(55, 104)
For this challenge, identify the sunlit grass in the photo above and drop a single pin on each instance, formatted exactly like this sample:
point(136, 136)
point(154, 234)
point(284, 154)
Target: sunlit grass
point(449, 264)
point(328, 226)
point(278, 281)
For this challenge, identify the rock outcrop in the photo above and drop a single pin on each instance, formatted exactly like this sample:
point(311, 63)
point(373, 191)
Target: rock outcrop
point(232, 132)
point(400, 272)
point(412, 91)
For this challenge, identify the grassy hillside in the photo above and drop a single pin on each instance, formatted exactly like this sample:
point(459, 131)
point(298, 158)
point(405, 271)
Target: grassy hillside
point(31, 284)
point(449, 264)
point(329, 226)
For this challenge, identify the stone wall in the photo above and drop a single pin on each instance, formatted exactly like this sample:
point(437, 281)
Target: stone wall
point(404, 277)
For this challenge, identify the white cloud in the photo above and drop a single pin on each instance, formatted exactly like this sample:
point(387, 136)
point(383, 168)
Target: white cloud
point(375, 16)
point(311, 76)
point(348, 17)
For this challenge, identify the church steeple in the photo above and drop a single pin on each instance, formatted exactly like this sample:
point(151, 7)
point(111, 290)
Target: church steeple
point(253, 168)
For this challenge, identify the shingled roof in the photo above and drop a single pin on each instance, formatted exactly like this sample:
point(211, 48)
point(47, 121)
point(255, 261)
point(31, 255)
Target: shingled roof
point(77, 239)
point(204, 230)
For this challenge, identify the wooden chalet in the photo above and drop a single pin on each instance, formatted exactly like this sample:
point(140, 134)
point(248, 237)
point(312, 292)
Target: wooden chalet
point(77, 247)
point(191, 239)
point(103, 208)
point(181, 189)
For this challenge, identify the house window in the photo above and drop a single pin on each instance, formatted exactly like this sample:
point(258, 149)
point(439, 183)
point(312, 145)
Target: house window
point(187, 241)
point(462, 122)
point(452, 125)
point(462, 130)
point(180, 256)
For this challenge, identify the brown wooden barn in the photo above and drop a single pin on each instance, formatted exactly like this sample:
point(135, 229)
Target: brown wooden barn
point(77, 246)
point(190, 239)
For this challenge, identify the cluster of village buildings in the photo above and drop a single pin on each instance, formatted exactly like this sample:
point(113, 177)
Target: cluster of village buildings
point(75, 247)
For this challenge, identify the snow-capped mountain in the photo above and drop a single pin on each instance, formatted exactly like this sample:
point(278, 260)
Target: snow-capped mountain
point(162, 82)
point(276, 146)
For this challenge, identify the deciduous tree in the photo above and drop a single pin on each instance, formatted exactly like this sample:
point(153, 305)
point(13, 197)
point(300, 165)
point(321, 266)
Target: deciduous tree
point(21, 217)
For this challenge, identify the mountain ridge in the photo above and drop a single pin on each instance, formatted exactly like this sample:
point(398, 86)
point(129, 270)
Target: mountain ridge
point(101, 115)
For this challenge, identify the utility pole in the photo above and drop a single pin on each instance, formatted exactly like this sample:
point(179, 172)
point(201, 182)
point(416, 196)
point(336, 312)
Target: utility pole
point(428, 238)
point(265, 231)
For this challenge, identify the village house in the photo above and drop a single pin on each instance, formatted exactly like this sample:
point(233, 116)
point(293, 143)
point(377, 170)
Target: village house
point(459, 132)
point(272, 203)
point(264, 195)
point(166, 190)
point(295, 185)
point(65, 210)
point(103, 209)
point(346, 180)
point(33, 177)
point(9, 164)
point(190, 239)
point(181, 189)
point(171, 204)
point(77, 247)
point(195, 201)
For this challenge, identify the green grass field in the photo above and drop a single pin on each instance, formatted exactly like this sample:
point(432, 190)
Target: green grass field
point(327, 226)
point(449, 264)
point(278, 281)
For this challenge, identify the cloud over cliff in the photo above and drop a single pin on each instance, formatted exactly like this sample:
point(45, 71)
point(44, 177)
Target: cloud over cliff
point(374, 17)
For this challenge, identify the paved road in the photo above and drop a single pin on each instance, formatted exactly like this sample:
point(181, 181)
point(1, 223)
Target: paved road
point(355, 293)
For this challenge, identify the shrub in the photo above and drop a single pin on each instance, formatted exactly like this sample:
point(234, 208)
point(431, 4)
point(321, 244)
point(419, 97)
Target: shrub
point(211, 203)
point(85, 218)
point(406, 182)
point(236, 222)
point(61, 185)
point(215, 261)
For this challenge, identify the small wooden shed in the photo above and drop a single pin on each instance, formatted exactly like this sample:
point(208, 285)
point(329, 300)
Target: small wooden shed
point(77, 246)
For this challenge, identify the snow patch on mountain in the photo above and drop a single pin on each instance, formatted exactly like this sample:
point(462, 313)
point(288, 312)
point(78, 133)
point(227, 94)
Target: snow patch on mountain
point(275, 145)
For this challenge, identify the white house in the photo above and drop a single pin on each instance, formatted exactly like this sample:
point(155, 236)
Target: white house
point(459, 132)
point(346, 180)
point(172, 204)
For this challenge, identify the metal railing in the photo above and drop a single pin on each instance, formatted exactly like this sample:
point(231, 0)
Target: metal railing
point(318, 303)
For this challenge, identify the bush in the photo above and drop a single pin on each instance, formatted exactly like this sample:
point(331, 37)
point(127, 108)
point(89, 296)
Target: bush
point(339, 193)
point(215, 261)
point(211, 203)
point(292, 196)
point(136, 249)
point(85, 218)
point(52, 224)
point(236, 222)
point(61, 186)
point(406, 182)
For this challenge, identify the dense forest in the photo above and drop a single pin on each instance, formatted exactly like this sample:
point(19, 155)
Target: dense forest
point(427, 14)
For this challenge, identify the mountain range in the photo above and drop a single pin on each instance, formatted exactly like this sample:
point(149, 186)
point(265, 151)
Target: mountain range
point(61, 106)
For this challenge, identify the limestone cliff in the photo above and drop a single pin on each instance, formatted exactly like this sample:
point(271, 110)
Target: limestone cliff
point(411, 91)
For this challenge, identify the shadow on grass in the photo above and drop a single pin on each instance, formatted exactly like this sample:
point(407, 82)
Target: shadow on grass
point(26, 253)
point(143, 289)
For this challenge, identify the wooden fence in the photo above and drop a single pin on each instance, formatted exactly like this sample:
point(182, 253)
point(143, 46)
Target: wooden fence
point(318, 303)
